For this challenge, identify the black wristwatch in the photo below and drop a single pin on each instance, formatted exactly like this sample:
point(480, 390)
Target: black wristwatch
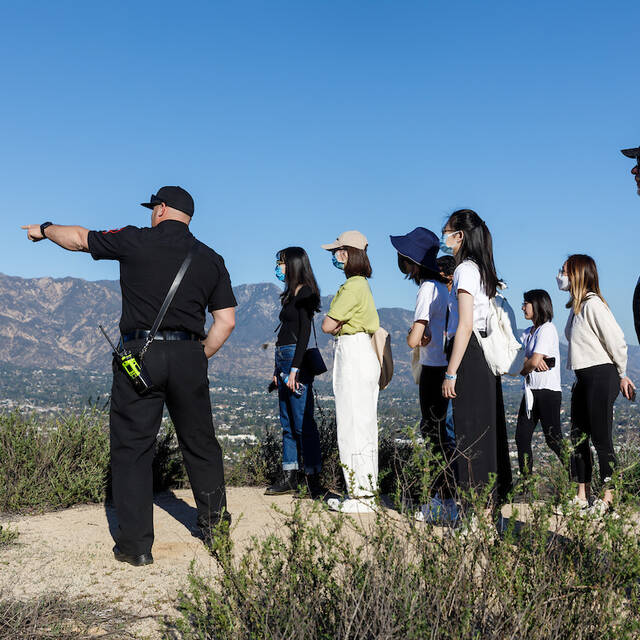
point(43, 226)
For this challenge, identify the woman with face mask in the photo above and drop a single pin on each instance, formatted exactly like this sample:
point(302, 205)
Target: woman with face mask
point(417, 252)
point(353, 318)
point(542, 397)
point(478, 409)
point(300, 440)
point(598, 357)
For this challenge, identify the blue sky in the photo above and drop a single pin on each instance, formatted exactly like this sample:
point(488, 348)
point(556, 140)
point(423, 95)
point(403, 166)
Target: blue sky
point(290, 122)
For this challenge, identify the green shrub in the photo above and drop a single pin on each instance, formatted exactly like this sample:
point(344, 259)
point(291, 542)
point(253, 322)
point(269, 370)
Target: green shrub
point(7, 536)
point(51, 463)
point(324, 575)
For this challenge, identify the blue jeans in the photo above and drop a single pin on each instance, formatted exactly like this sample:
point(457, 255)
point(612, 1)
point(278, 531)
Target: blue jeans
point(300, 438)
point(451, 434)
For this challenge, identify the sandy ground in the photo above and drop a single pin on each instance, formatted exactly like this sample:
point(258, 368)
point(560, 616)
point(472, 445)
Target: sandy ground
point(70, 551)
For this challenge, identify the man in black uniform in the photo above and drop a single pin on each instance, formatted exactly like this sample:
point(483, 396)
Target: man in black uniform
point(176, 360)
point(635, 155)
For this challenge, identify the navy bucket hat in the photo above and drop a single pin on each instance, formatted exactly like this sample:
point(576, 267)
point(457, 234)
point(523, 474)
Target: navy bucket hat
point(420, 245)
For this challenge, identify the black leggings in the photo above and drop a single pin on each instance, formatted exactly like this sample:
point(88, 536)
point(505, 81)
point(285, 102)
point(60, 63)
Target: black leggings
point(594, 392)
point(546, 410)
point(434, 427)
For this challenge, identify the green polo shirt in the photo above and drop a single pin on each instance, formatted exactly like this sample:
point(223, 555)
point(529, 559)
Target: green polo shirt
point(354, 306)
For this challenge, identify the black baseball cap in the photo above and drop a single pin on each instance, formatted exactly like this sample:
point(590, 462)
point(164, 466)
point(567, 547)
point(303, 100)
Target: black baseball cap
point(174, 197)
point(631, 153)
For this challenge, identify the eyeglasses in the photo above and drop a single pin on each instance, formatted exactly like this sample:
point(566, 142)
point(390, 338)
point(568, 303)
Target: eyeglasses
point(280, 262)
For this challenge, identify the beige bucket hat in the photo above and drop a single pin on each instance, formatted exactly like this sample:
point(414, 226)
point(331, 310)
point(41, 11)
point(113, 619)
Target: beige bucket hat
point(353, 239)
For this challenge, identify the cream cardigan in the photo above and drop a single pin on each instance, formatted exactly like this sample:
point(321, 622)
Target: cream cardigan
point(595, 337)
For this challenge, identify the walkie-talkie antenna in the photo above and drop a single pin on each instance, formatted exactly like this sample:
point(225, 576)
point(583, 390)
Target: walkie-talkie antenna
point(104, 333)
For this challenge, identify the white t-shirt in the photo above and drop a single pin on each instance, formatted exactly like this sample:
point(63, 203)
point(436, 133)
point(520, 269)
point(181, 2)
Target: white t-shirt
point(543, 340)
point(431, 305)
point(467, 277)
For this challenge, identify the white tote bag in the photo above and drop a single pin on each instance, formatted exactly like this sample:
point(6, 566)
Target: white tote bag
point(502, 351)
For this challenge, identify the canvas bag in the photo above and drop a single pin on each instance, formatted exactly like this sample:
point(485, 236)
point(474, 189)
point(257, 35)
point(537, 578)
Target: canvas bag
point(381, 342)
point(502, 351)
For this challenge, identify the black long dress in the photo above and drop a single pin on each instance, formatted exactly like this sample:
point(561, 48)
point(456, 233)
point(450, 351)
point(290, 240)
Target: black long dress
point(482, 447)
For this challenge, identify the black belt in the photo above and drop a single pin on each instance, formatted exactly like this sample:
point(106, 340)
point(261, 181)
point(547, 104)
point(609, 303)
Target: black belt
point(142, 334)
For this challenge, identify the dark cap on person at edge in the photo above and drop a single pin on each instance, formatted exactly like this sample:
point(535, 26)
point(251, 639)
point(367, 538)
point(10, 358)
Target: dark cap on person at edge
point(631, 153)
point(174, 197)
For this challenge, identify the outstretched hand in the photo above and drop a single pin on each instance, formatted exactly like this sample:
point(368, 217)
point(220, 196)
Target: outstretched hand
point(33, 232)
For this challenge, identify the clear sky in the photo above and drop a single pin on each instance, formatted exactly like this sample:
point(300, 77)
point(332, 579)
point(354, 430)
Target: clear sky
point(290, 122)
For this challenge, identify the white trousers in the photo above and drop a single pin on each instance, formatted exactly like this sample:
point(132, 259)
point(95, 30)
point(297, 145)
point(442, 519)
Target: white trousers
point(356, 372)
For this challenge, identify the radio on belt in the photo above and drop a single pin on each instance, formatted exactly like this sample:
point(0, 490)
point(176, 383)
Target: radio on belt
point(128, 362)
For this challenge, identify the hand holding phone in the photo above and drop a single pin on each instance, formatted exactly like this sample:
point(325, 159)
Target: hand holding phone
point(628, 389)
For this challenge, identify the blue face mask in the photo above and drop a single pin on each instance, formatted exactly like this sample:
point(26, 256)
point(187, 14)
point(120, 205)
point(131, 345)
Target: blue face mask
point(336, 263)
point(444, 248)
point(279, 273)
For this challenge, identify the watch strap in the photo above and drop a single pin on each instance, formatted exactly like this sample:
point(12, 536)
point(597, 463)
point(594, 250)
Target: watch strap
point(43, 226)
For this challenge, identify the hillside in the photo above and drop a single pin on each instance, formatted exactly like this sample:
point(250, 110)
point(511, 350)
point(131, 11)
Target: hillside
point(53, 324)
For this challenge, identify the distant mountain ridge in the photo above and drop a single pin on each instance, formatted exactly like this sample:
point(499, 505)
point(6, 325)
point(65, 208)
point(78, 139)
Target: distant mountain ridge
point(53, 323)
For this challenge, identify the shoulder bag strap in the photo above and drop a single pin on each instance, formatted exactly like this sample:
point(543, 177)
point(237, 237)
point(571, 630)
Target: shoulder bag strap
point(169, 297)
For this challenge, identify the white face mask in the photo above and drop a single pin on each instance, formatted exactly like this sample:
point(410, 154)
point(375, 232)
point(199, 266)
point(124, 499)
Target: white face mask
point(563, 282)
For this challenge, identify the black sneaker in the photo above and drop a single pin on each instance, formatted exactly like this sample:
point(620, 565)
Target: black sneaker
point(137, 561)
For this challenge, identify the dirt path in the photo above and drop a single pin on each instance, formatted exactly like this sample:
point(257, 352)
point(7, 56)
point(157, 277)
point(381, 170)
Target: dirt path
point(70, 551)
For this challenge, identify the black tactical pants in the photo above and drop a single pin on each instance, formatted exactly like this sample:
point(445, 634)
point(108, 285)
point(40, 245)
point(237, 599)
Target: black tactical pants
point(178, 370)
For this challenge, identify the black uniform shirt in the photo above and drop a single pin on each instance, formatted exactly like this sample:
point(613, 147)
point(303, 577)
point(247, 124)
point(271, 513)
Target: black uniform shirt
point(149, 260)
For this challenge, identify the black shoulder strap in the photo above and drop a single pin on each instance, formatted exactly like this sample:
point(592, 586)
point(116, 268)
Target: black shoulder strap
point(170, 295)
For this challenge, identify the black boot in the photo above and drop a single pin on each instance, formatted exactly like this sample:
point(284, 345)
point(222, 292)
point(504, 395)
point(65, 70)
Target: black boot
point(315, 490)
point(289, 484)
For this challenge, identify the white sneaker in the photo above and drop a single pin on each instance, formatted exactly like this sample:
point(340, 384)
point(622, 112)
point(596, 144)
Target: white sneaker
point(575, 506)
point(471, 529)
point(352, 505)
point(600, 508)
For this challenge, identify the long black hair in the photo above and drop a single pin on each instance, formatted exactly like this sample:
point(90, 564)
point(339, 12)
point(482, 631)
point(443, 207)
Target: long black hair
point(298, 272)
point(542, 306)
point(477, 245)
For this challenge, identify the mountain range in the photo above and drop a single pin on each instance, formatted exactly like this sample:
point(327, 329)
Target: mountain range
point(53, 323)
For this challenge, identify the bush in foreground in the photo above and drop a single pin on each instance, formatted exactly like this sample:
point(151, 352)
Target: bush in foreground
point(324, 575)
